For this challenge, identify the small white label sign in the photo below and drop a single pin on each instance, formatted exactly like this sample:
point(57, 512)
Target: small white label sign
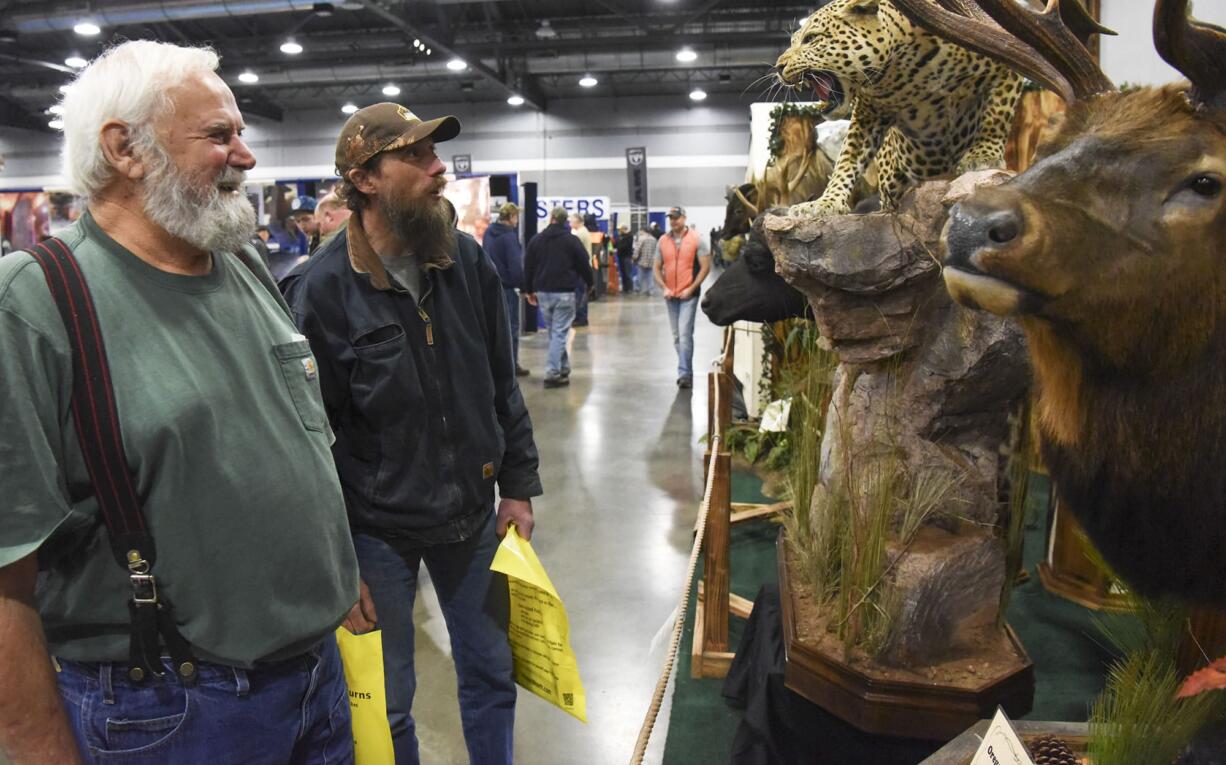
point(1001, 745)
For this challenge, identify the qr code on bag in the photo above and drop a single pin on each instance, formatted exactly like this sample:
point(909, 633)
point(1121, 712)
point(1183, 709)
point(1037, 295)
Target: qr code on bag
point(568, 699)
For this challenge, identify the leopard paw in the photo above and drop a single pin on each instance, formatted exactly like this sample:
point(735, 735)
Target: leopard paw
point(817, 209)
point(974, 162)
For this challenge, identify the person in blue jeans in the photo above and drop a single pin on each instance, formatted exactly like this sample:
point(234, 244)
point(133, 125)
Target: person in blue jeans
point(683, 264)
point(501, 243)
point(410, 329)
point(555, 261)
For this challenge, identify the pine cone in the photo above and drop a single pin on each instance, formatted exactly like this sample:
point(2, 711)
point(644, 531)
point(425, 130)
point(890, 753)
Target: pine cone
point(1050, 750)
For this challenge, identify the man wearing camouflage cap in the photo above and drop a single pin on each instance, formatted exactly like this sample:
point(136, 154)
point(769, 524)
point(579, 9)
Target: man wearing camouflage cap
point(407, 320)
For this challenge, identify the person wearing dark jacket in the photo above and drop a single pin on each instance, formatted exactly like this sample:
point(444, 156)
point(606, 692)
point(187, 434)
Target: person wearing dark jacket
point(554, 263)
point(501, 243)
point(625, 259)
point(406, 319)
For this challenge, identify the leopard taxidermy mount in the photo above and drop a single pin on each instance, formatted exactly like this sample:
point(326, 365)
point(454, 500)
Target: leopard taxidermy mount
point(920, 106)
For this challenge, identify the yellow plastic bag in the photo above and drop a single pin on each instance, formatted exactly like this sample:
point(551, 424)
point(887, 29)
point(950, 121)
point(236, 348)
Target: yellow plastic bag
point(362, 656)
point(539, 630)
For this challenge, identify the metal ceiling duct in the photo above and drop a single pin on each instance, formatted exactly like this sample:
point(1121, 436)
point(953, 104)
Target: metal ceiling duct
point(63, 19)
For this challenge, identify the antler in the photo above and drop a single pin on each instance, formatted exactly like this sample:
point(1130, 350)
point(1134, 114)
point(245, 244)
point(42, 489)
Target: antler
point(1047, 47)
point(1195, 48)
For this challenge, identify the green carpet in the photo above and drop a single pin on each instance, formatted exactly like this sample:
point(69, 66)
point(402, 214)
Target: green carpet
point(1069, 656)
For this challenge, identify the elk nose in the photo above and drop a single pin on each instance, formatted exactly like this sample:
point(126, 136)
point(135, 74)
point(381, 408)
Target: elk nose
point(973, 228)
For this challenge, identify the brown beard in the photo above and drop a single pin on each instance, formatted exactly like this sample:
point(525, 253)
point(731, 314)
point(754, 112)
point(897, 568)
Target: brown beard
point(424, 226)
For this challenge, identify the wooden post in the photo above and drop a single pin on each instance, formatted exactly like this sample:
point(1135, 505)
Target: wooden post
point(710, 656)
point(716, 565)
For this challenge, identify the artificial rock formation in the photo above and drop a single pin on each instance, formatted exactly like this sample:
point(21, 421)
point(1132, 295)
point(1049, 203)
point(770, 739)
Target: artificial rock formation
point(923, 388)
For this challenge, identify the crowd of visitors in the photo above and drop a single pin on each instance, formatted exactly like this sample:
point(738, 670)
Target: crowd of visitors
point(301, 416)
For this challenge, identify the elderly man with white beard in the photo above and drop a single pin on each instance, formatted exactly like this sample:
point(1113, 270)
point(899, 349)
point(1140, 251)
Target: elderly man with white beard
point(221, 438)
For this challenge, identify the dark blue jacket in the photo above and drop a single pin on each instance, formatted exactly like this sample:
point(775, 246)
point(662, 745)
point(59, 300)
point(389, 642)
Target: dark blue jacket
point(501, 243)
point(556, 261)
point(424, 401)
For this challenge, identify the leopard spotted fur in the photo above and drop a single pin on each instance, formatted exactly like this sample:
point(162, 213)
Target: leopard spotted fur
point(921, 106)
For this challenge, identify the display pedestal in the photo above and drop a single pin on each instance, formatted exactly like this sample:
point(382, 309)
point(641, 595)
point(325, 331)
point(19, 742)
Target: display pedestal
point(1070, 572)
point(888, 701)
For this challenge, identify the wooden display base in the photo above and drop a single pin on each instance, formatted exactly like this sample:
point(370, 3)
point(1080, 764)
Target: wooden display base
point(1073, 588)
point(894, 707)
point(1069, 571)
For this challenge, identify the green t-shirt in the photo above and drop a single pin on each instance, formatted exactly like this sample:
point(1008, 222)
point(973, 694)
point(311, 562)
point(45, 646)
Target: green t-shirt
point(225, 434)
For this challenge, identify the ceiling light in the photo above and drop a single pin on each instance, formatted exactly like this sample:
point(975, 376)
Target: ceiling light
point(457, 65)
point(76, 62)
point(56, 124)
point(686, 55)
point(249, 77)
point(55, 109)
point(65, 88)
point(546, 32)
point(291, 47)
point(516, 100)
point(323, 10)
point(391, 90)
point(349, 108)
point(8, 35)
point(416, 43)
point(698, 94)
point(466, 86)
point(87, 29)
point(429, 52)
point(588, 81)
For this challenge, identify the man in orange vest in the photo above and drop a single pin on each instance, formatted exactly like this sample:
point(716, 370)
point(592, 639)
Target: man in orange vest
point(683, 265)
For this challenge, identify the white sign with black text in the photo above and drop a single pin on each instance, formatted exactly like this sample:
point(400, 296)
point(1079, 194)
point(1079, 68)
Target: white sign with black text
point(598, 206)
point(1001, 745)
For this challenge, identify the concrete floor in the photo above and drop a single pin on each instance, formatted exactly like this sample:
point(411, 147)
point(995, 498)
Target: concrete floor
point(620, 462)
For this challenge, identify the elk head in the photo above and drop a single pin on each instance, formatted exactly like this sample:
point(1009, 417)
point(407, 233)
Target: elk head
point(1111, 250)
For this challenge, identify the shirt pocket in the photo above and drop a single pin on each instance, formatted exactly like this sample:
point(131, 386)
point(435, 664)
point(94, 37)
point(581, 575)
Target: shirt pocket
point(302, 379)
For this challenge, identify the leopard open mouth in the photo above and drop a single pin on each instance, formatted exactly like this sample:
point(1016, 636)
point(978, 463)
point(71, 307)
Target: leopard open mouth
point(827, 90)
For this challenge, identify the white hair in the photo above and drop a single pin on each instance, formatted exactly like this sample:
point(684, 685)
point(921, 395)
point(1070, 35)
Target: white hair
point(130, 83)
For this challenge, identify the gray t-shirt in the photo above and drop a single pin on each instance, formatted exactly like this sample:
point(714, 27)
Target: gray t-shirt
point(226, 438)
point(407, 272)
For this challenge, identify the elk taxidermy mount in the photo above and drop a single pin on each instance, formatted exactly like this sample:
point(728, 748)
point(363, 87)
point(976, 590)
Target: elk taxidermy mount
point(1111, 252)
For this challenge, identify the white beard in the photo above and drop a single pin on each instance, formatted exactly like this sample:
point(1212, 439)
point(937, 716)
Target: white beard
point(207, 217)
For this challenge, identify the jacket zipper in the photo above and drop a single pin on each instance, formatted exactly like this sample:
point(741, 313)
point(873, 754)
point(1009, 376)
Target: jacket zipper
point(421, 311)
point(425, 317)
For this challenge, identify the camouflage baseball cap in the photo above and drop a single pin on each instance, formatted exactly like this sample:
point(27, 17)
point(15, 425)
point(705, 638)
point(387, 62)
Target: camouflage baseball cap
point(386, 127)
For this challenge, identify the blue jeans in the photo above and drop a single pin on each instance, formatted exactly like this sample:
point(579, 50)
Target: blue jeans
point(647, 280)
point(296, 711)
point(581, 303)
point(475, 604)
point(681, 318)
point(512, 298)
point(558, 310)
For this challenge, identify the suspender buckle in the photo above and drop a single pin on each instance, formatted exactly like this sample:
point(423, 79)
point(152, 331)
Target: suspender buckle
point(144, 589)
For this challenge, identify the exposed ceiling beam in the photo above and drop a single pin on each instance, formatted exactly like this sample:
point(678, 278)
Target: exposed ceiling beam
point(13, 114)
point(446, 50)
point(259, 104)
point(696, 15)
point(630, 18)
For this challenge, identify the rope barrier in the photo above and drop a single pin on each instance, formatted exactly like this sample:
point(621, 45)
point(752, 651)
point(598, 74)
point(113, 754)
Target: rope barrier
point(657, 699)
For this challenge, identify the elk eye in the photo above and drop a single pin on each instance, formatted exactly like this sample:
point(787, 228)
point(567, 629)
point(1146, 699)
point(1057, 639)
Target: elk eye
point(1206, 186)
